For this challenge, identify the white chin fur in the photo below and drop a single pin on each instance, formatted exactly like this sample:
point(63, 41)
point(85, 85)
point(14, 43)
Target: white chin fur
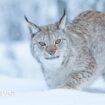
point(52, 63)
point(52, 58)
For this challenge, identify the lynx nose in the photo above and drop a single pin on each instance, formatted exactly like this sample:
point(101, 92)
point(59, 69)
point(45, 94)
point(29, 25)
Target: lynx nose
point(51, 50)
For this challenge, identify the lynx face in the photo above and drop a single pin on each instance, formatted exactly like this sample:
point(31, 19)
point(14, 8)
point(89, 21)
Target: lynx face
point(49, 42)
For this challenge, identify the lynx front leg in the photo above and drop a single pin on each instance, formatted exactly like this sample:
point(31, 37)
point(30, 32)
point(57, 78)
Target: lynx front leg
point(80, 79)
point(84, 73)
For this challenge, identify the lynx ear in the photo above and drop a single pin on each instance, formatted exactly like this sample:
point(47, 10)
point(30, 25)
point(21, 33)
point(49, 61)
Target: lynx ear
point(32, 27)
point(62, 21)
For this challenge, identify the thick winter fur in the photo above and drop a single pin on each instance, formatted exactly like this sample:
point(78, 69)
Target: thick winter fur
point(72, 55)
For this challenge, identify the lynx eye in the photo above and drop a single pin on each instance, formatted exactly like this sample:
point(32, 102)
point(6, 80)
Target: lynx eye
point(57, 41)
point(42, 43)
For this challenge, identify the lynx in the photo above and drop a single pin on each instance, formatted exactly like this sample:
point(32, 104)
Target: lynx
point(72, 55)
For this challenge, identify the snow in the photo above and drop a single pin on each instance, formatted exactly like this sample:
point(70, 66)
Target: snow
point(54, 97)
point(22, 82)
point(28, 92)
point(21, 79)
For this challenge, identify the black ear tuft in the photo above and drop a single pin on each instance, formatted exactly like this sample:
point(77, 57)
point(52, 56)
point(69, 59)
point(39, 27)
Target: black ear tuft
point(62, 21)
point(33, 28)
point(26, 19)
point(64, 13)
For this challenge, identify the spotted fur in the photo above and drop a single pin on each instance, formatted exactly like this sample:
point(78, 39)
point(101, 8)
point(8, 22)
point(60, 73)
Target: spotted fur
point(79, 58)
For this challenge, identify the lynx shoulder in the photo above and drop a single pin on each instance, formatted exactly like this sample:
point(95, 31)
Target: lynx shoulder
point(72, 55)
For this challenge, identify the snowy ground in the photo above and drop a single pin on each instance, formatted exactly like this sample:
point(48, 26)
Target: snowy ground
point(22, 82)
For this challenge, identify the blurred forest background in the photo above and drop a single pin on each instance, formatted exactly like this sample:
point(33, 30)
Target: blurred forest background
point(13, 26)
point(15, 58)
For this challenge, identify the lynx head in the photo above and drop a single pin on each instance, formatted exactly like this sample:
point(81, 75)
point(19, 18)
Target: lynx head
point(48, 42)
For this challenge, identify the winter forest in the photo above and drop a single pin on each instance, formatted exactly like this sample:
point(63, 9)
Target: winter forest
point(47, 11)
point(19, 71)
